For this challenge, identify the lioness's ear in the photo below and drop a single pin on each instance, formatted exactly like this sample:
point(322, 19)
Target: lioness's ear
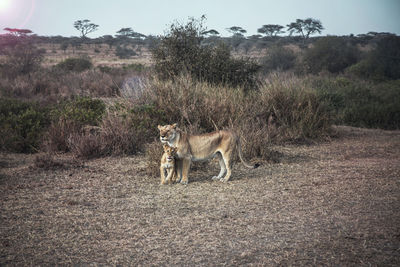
point(174, 125)
point(159, 127)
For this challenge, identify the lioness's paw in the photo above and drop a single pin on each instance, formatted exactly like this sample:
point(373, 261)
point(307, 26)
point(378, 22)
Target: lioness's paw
point(215, 178)
point(184, 182)
point(223, 180)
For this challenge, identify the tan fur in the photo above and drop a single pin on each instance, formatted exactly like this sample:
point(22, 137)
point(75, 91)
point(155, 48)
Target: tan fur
point(167, 165)
point(220, 144)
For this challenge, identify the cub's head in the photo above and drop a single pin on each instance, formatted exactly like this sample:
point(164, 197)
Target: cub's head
point(167, 133)
point(170, 151)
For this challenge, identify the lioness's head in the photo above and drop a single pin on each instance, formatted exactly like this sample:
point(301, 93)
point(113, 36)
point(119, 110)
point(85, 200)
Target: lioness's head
point(167, 133)
point(170, 151)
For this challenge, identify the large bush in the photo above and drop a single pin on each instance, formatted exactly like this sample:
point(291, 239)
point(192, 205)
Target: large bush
point(332, 54)
point(181, 51)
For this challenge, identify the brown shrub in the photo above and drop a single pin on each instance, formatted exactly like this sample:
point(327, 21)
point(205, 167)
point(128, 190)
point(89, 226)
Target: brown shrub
point(284, 109)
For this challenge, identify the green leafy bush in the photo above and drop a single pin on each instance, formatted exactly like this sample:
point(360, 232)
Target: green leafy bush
point(332, 54)
point(75, 64)
point(21, 125)
point(81, 110)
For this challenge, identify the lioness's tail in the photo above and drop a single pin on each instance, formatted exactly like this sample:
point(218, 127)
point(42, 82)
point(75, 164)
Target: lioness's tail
point(239, 148)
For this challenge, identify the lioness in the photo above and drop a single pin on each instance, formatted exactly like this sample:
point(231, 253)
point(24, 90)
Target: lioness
point(220, 144)
point(167, 166)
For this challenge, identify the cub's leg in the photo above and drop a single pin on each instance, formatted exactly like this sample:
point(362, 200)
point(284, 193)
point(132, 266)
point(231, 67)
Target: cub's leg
point(170, 172)
point(185, 171)
point(162, 174)
point(222, 165)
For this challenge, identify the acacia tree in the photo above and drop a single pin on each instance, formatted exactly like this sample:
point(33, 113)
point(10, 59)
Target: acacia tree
point(236, 30)
point(305, 27)
point(271, 30)
point(18, 32)
point(128, 32)
point(85, 27)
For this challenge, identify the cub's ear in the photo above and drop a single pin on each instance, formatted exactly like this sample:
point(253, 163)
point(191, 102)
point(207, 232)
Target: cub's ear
point(174, 125)
point(165, 146)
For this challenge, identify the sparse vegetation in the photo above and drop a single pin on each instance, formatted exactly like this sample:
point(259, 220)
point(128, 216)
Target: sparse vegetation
point(75, 100)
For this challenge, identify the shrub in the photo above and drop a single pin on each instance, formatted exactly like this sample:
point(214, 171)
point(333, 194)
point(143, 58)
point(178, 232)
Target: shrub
point(330, 53)
point(69, 119)
point(278, 58)
point(125, 129)
point(181, 51)
point(124, 52)
point(21, 125)
point(75, 64)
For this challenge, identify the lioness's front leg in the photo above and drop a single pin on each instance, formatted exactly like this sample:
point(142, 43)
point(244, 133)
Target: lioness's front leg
point(178, 166)
point(185, 171)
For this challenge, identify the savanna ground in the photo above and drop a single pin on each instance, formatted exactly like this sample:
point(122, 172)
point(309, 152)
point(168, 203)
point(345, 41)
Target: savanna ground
point(331, 203)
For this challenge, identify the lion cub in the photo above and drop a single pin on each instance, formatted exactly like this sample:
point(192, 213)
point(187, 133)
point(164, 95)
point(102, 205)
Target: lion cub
point(167, 166)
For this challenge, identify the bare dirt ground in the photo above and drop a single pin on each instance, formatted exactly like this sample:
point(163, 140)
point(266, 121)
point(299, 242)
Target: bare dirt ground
point(332, 203)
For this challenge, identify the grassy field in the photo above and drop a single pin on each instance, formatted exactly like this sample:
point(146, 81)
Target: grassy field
point(330, 203)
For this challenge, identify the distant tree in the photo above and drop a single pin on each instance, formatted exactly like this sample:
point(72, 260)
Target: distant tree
point(18, 32)
point(129, 33)
point(85, 27)
point(271, 30)
point(305, 27)
point(211, 32)
point(236, 31)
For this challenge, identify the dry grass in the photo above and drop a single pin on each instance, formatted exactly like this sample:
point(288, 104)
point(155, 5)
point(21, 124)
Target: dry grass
point(336, 203)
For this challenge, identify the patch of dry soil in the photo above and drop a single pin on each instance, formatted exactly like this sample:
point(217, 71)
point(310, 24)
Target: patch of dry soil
point(333, 203)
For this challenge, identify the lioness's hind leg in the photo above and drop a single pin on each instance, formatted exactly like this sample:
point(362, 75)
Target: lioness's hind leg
point(228, 164)
point(222, 165)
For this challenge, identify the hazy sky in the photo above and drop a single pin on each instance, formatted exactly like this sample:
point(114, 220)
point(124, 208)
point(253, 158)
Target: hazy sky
point(339, 17)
